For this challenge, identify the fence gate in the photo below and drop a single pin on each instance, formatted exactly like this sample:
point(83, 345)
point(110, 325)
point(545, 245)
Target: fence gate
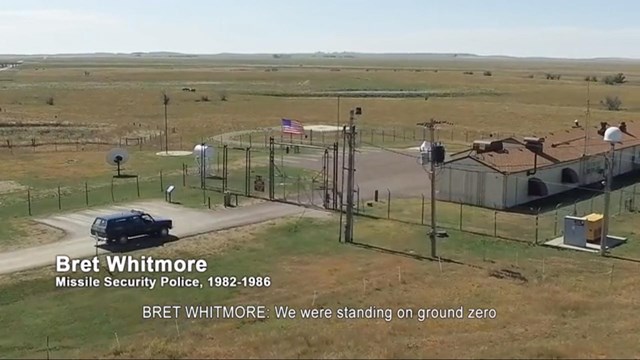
point(303, 174)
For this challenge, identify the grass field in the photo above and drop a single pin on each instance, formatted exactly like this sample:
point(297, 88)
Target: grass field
point(544, 300)
point(549, 303)
point(125, 96)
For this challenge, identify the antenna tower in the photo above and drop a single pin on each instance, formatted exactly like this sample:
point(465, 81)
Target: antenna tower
point(586, 120)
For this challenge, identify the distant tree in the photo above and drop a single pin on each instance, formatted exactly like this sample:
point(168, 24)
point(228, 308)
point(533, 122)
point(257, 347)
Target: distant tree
point(204, 98)
point(487, 73)
point(591, 78)
point(223, 96)
point(468, 72)
point(553, 76)
point(50, 100)
point(612, 103)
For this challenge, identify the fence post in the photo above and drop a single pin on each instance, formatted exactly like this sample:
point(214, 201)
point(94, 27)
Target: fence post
point(29, 201)
point(575, 208)
point(59, 199)
point(495, 223)
point(422, 214)
point(209, 202)
point(555, 224)
point(592, 204)
point(375, 196)
point(86, 193)
point(358, 199)
point(537, 214)
point(138, 185)
point(161, 184)
point(298, 187)
point(460, 216)
point(184, 175)
point(113, 199)
point(620, 204)
point(388, 204)
point(383, 136)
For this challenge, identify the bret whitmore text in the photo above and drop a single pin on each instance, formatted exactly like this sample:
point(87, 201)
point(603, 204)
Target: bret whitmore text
point(130, 264)
point(209, 312)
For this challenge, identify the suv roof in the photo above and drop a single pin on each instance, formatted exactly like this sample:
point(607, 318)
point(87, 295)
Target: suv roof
point(121, 215)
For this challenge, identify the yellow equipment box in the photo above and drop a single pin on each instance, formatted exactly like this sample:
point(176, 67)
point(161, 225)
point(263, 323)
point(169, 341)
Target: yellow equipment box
point(594, 227)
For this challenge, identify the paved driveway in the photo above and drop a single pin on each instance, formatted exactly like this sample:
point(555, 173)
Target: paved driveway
point(187, 222)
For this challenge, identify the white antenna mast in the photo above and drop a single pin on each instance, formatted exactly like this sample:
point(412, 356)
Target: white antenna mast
point(586, 120)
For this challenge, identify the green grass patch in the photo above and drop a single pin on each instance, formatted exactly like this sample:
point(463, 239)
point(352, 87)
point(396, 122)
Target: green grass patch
point(86, 318)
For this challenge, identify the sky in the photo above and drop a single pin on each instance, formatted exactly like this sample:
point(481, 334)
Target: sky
point(545, 28)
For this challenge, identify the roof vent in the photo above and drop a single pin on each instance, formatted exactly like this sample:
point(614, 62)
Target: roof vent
point(481, 146)
point(534, 144)
point(603, 128)
point(623, 127)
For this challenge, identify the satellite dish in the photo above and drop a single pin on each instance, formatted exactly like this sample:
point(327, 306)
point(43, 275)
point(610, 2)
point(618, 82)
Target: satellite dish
point(117, 157)
point(613, 135)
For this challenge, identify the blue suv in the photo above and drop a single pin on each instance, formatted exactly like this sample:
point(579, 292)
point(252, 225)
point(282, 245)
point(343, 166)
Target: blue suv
point(123, 226)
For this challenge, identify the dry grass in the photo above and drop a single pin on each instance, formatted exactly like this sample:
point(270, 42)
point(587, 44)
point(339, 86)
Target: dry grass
point(123, 96)
point(559, 314)
point(27, 233)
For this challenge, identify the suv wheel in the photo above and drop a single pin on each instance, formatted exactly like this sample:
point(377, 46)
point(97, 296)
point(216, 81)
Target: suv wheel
point(123, 239)
point(164, 232)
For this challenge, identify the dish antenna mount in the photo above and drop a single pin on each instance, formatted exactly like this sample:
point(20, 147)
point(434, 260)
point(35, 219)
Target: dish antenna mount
point(117, 157)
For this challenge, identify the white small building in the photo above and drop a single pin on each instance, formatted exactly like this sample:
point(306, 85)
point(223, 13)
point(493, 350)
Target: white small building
point(505, 173)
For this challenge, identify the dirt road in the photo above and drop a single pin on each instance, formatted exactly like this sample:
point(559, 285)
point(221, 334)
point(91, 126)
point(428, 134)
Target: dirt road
point(187, 222)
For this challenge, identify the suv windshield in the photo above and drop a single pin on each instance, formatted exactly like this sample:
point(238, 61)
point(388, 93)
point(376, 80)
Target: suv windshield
point(99, 222)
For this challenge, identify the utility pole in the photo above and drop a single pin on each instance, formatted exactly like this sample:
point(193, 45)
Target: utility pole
point(431, 126)
point(432, 180)
point(351, 136)
point(586, 120)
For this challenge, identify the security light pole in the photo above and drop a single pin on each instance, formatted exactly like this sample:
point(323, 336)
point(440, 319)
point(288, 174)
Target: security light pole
point(612, 135)
point(607, 199)
point(431, 126)
point(351, 136)
point(432, 179)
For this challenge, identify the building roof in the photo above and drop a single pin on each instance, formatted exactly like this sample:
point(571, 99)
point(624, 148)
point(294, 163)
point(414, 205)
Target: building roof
point(558, 147)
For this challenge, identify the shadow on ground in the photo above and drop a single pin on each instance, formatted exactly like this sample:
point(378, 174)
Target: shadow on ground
point(576, 195)
point(145, 242)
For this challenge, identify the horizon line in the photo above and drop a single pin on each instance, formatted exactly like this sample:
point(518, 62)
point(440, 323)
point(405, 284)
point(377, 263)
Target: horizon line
point(449, 54)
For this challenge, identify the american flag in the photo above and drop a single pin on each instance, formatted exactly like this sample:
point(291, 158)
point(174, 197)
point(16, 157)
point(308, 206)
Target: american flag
point(292, 127)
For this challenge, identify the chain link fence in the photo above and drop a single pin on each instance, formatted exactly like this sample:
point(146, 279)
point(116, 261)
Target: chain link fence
point(536, 227)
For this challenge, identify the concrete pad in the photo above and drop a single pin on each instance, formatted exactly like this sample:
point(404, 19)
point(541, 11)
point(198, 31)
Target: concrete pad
point(174, 153)
point(612, 241)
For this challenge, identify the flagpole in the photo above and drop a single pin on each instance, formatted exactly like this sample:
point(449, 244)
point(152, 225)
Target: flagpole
point(338, 120)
